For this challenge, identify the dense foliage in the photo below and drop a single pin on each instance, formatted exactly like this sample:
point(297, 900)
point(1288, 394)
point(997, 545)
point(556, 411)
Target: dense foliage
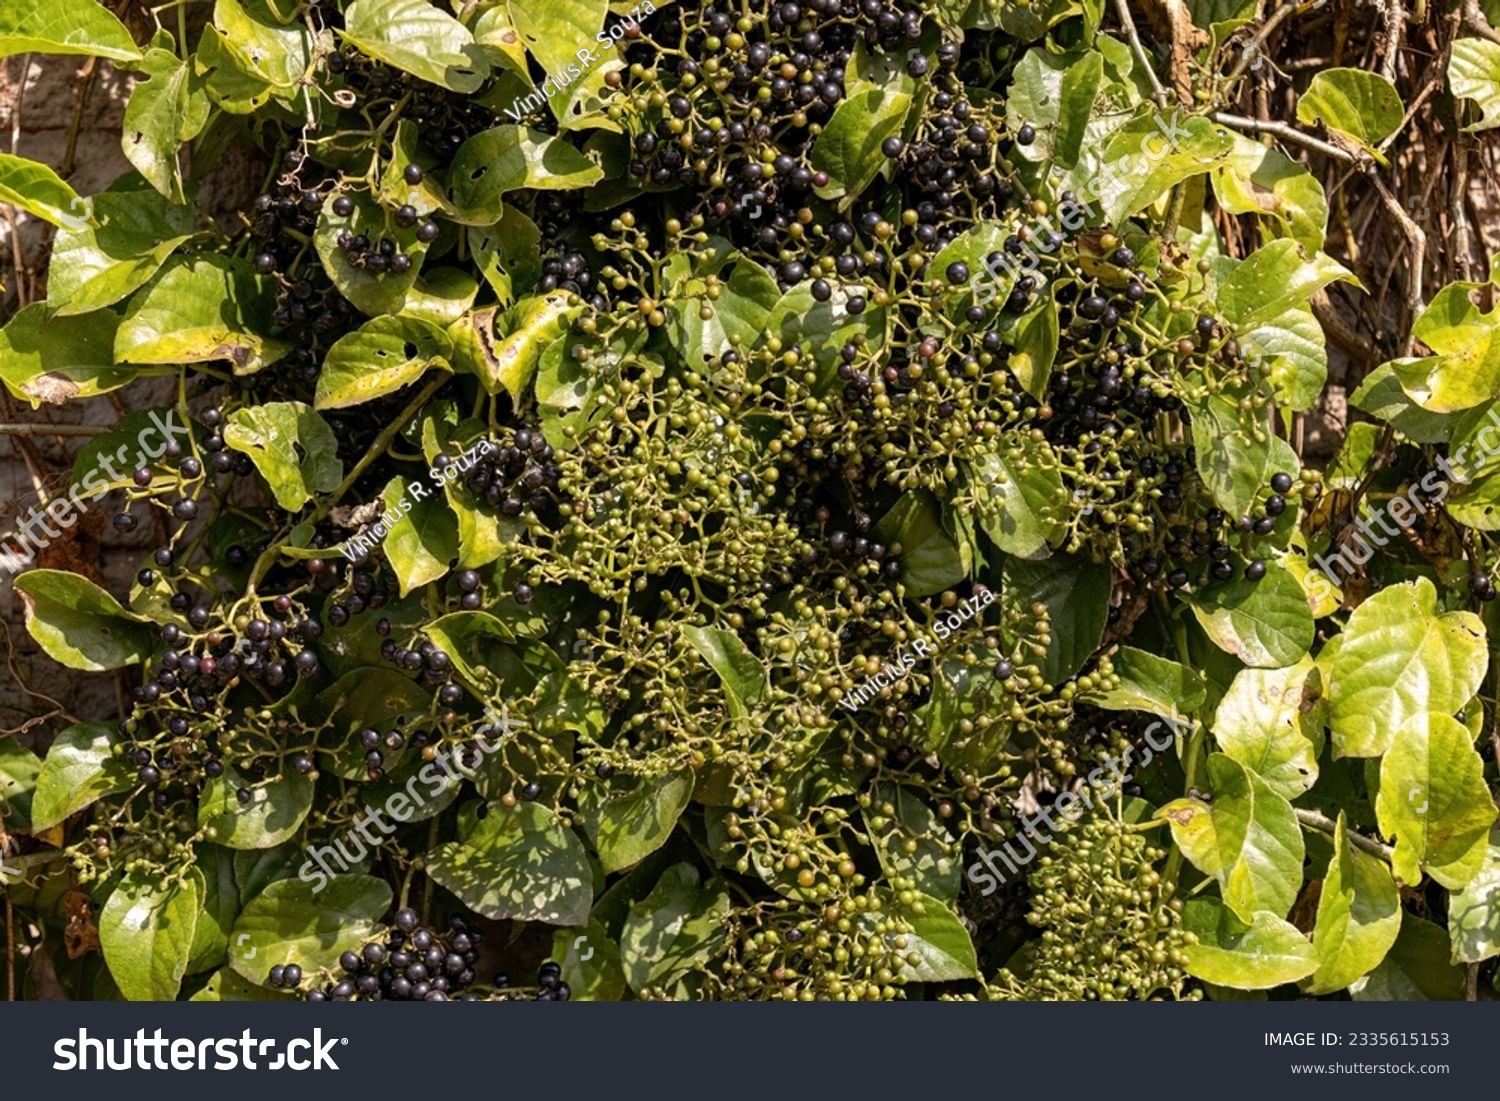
point(717, 478)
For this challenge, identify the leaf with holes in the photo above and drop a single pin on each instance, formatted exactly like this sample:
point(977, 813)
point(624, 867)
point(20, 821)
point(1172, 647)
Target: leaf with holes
point(508, 158)
point(164, 111)
point(201, 309)
point(380, 357)
point(292, 447)
point(418, 38)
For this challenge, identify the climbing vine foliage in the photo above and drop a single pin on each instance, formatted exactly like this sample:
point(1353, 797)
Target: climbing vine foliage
point(809, 499)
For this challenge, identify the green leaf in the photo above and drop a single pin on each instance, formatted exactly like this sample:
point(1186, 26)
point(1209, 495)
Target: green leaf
point(417, 38)
point(746, 297)
point(1266, 624)
point(1274, 279)
point(197, 310)
point(133, 233)
point(292, 447)
point(509, 158)
point(1033, 339)
point(1144, 159)
point(507, 253)
point(1291, 346)
point(219, 68)
point(1271, 721)
point(495, 31)
point(1263, 955)
point(936, 865)
point(1248, 839)
point(424, 197)
point(257, 869)
point(225, 986)
point(1466, 369)
point(276, 810)
point(19, 769)
point(1474, 73)
point(930, 560)
point(554, 32)
point(677, 927)
point(626, 828)
point(79, 624)
point(529, 327)
point(43, 359)
point(221, 905)
point(1399, 660)
point(1149, 682)
point(261, 45)
point(1361, 104)
point(1381, 395)
point(1055, 94)
point(441, 297)
point(1019, 496)
point(1076, 592)
point(64, 27)
point(289, 922)
point(463, 636)
point(1232, 461)
point(1474, 912)
point(1359, 916)
point(38, 190)
point(1434, 801)
point(822, 328)
point(1417, 968)
point(146, 932)
point(424, 541)
point(372, 294)
point(1260, 179)
point(848, 149)
point(379, 358)
point(164, 111)
point(590, 963)
point(379, 698)
point(79, 769)
point(741, 673)
point(938, 937)
point(517, 863)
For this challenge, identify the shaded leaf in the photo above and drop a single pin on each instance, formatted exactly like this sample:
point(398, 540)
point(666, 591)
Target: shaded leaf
point(517, 863)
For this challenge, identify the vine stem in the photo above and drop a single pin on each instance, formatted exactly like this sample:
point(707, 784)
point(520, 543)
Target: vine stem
point(1158, 93)
point(1282, 130)
point(1323, 824)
